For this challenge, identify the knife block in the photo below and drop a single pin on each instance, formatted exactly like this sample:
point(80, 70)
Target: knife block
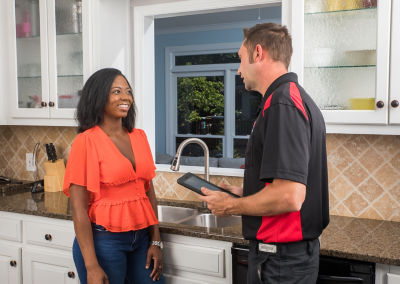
point(54, 178)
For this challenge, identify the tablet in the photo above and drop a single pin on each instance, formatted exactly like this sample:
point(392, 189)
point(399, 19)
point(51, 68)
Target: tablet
point(195, 184)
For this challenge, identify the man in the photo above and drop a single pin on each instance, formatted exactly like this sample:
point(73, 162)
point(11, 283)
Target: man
point(285, 188)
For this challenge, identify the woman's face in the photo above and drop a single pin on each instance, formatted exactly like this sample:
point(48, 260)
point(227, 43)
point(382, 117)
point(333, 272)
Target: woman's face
point(120, 98)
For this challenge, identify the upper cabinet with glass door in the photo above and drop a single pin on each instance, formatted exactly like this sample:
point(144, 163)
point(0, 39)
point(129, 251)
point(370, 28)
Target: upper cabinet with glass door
point(346, 59)
point(49, 58)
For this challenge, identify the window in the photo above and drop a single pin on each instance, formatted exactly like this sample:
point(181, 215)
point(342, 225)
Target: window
point(208, 101)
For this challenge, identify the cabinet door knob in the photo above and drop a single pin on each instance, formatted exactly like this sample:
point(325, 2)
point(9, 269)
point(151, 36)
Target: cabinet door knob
point(380, 104)
point(13, 263)
point(51, 104)
point(43, 104)
point(394, 103)
point(48, 237)
point(71, 274)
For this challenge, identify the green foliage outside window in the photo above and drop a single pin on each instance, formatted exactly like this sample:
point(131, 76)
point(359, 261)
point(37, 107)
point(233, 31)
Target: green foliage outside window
point(200, 98)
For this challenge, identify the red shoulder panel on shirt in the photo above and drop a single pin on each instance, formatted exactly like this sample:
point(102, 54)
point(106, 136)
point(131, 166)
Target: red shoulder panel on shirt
point(296, 97)
point(267, 103)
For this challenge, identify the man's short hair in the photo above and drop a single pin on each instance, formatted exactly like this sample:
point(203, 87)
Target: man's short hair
point(274, 38)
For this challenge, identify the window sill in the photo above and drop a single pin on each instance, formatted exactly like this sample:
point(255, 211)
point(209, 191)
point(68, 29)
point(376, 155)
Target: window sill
point(200, 170)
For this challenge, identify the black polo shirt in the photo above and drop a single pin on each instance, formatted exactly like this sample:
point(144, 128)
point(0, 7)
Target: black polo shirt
point(288, 141)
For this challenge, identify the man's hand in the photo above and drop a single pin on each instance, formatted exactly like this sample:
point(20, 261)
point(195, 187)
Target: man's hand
point(232, 188)
point(220, 203)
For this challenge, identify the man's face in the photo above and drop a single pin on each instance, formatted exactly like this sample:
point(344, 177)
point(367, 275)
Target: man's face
point(246, 69)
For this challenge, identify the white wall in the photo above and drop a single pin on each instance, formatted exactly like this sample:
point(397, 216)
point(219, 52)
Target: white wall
point(3, 62)
point(111, 32)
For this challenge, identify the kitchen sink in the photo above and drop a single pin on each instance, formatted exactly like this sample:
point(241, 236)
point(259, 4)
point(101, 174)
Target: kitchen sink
point(210, 220)
point(173, 214)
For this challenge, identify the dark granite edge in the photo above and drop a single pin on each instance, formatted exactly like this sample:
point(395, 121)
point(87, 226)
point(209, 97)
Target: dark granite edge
point(40, 214)
point(208, 234)
point(361, 257)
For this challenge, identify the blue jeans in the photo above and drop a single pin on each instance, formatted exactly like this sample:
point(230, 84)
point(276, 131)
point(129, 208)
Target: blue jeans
point(122, 256)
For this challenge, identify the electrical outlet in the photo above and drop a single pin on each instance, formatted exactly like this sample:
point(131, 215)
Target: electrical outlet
point(30, 162)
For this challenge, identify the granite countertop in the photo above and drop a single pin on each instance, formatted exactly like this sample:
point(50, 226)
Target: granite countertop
point(345, 237)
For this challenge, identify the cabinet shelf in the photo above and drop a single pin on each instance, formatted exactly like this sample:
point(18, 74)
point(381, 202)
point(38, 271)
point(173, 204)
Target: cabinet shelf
point(340, 66)
point(69, 76)
point(69, 34)
point(29, 77)
point(336, 12)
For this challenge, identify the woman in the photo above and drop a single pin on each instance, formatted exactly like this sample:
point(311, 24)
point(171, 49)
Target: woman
point(108, 178)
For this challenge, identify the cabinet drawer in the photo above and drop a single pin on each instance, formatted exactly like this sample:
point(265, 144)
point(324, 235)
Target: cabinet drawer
point(10, 229)
point(201, 260)
point(48, 234)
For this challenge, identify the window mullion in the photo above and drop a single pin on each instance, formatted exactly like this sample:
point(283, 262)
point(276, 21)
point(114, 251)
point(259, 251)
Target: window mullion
point(229, 119)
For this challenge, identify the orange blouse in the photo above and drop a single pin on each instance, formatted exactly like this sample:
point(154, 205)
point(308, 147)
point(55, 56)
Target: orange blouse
point(118, 199)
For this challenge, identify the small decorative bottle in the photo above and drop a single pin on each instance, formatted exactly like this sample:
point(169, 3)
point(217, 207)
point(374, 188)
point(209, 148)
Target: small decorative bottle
point(26, 25)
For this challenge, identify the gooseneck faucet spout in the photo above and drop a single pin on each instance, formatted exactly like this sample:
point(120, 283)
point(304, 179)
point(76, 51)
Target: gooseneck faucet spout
point(177, 159)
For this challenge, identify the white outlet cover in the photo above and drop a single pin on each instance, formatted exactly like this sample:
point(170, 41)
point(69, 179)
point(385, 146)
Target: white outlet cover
point(30, 162)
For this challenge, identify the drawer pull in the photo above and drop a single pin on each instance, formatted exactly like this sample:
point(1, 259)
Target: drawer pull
point(43, 104)
point(394, 103)
point(48, 237)
point(380, 104)
point(71, 274)
point(13, 263)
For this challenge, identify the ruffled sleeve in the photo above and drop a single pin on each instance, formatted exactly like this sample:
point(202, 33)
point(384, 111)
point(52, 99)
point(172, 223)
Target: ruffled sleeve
point(149, 167)
point(82, 165)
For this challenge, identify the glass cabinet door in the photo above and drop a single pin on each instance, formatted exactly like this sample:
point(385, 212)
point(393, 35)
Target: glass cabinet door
point(65, 46)
point(346, 58)
point(31, 87)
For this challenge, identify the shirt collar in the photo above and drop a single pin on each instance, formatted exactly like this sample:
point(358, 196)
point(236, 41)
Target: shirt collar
point(285, 78)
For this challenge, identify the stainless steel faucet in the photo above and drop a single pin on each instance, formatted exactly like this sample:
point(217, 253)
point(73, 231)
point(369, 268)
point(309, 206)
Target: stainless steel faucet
point(177, 159)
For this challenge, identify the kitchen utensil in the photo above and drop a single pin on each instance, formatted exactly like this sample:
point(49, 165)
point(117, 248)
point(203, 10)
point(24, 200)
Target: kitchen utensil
point(51, 152)
point(38, 186)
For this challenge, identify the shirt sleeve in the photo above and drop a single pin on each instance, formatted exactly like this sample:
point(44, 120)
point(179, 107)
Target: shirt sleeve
point(82, 166)
point(150, 167)
point(286, 149)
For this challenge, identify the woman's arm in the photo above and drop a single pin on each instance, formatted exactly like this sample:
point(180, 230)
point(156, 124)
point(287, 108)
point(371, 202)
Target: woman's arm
point(154, 252)
point(79, 198)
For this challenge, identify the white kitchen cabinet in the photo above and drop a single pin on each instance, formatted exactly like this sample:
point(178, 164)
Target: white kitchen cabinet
point(47, 64)
point(196, 260)
point(387, 274)
point(52, 47)
point(48, 266)
point(41, 254)
point(342, 56)
point(394, 116)
point(10, 263)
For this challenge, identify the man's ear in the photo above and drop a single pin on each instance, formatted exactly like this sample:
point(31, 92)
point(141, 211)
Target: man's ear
point(258, 53)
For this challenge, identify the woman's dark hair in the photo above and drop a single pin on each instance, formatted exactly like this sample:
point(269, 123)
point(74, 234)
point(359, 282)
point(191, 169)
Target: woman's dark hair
point(94, 97)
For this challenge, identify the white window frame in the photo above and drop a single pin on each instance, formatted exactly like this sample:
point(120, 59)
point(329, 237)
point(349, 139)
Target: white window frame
point(143, 53)
point(172, 72)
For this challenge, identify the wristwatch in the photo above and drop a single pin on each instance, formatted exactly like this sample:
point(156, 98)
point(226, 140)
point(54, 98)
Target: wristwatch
point(157, 243)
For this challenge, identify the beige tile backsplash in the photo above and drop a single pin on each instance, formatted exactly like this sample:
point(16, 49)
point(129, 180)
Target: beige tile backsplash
point(364, 170)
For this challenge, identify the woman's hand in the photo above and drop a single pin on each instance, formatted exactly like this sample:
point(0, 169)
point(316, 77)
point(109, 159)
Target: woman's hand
point(154, 253)
point(96, 275)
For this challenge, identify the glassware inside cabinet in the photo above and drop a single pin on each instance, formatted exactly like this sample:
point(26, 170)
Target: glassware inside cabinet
point(340, 53)
point(69, 52)
point(27, 29)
